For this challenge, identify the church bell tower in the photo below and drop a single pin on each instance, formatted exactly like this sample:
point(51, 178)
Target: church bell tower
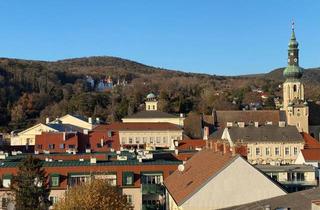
point(294, 104)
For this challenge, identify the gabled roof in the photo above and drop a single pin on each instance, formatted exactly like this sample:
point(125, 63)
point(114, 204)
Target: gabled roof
point(151, 114)
point(297, 200)
point(35, 126)
point(138, 126)
point(198, 170)
point(311, 154)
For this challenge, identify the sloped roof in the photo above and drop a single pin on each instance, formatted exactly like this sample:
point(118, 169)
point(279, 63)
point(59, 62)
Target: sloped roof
point(261, 116)
point(267, 133)
point(138, 126)
point(152, 114)
point(297, 200)
point(311, 154)
point(198, 170)
point(310, 142)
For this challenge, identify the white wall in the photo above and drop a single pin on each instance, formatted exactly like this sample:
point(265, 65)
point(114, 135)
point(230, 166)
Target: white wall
point(238, 184)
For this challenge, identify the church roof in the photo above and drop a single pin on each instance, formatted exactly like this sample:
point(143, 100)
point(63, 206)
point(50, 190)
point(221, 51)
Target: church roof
point(266, 133)
point(152, 114)
point(261, 116)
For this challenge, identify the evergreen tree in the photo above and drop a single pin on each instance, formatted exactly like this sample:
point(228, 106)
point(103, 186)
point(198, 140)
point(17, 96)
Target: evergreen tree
point(30, 186)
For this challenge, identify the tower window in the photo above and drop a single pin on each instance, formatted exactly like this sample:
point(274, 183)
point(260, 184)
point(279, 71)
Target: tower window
point(294, 88)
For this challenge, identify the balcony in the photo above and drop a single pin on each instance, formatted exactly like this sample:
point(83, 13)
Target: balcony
point(152, 207)
point(300, 183)
point(152, 189)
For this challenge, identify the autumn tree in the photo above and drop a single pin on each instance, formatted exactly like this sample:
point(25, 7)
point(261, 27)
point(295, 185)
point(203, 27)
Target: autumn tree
point(30, 187)
point(96, 194)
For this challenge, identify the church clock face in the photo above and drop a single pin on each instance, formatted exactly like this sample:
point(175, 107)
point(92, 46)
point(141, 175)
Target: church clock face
point(291, 53)
point(295, 60)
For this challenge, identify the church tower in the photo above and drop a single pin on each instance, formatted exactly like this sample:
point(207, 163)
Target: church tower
point(296, 108)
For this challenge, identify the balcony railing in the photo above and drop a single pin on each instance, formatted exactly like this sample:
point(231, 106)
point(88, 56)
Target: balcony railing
point(298, 182)
point(152, 189)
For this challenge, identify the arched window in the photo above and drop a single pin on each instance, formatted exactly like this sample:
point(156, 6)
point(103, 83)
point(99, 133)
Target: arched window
point(294, 88)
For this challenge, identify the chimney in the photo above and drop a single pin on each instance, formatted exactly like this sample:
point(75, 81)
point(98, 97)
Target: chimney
point(224, 148)
point(282, 124)
point(233, 150)
point(64, 136)
point(181, 115)
point(256, 124)
point(101, 142)
point(47, 120)
point(176, 152)
point(205, 133)
point(98, 120)
point(90, 120)
point(93, 160)
point(215, 147)
point(214, 117)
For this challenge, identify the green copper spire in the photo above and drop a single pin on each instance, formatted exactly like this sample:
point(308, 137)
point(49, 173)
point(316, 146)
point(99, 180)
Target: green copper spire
point(293, 71)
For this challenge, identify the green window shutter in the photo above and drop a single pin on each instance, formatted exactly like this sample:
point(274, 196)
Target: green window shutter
point(127, 178)
point(55, 180)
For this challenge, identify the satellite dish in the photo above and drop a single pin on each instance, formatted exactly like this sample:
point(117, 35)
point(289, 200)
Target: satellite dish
point(181, 167)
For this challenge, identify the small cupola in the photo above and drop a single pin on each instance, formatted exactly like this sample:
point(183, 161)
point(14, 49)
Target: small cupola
point(151, 102)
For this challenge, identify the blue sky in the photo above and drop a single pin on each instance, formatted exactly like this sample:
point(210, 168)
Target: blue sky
point(215, 37)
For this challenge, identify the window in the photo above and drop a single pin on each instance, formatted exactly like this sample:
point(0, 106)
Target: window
point(151, 179)
point(295, 151)
point(148, 107)
point(71, 146)
point(39, 146)
point(158, 140)
point(294, 88)
point(55, 181)
point(295, 176)
point(61, 146)
point(51, 146)
point(257, 151)
point(127, 178)
point(53, 199)
point(99, 145)
point(153, 107)
point(144, 140)
point(248, 151)
point(130, 140)
point(123, 140)
point(164, 140)
point(129, 199)
point(277, 151)
point(287, 151)
point(267, 151)
point(137, 140)
point(151, 140)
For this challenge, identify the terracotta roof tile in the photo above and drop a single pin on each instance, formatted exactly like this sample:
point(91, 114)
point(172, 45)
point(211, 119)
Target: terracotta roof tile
point(310, 142)
point(311, 154)
point(198, 169)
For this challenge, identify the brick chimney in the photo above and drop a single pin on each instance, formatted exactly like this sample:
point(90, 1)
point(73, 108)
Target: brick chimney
point(205, 133)
point(224, 148)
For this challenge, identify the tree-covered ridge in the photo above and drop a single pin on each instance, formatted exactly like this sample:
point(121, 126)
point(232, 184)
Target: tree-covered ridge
point(33, 90)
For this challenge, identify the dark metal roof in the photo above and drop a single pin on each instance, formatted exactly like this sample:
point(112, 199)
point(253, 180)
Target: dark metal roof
point(298, 200)
point(267, 133)
point(286, 168)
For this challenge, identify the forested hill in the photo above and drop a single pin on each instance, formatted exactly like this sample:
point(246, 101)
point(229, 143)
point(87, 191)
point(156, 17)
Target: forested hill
point(33, 90)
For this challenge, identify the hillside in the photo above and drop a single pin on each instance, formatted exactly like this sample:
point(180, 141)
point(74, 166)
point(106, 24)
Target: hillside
point(33, 90)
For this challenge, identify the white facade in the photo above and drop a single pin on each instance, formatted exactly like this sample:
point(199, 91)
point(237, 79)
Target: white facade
point(237, 184)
